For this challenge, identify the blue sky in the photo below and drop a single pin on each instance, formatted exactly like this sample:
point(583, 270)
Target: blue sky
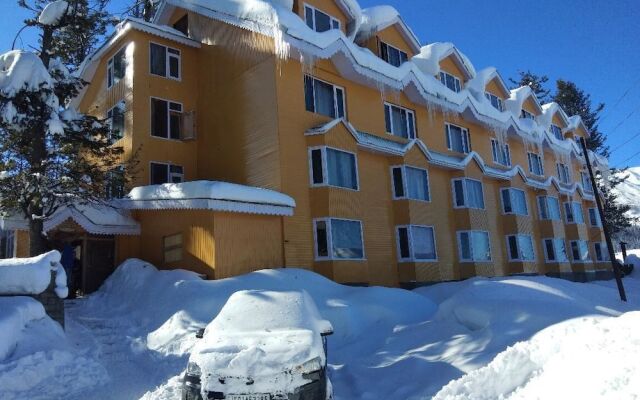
point(595, 43)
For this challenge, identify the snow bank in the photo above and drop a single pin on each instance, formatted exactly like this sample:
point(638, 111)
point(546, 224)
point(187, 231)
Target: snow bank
point(15, 313)
point(22, 70)
point(210, 190)
point(53, 12)
point(32, 275)
point(586, 358)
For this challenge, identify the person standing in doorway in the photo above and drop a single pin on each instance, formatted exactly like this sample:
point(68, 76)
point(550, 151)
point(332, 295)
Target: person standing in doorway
point(67, 260)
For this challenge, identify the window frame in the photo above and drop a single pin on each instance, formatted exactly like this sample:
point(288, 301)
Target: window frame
point(9, 235)
point(330, 256)
point(465, 135)
point(325, 168)
point(524, 114)
point(556, 131)
point(490, 96)
point(554, 240)
point(512, 212)
point(596, 214)
point(505, 150)
point(400, 53)
point(518, 248)
point(169, 173)
point(410, 135)
point(564, 175)
point(335, 87)
point(573, 212)
point(589, 260)
point(111, 82)
point(405, 191)
point(457, 83)
point(110, 118)
point(413, 258)
point(465, 194)
point(332, 20)
point(167, 61)
point(585, 180)
point(604, 252)
point(546, 202)
point(537, 157)
point(472, 259)
point(169, 102)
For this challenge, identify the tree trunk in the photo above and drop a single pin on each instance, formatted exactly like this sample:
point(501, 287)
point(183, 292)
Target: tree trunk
point(38, 244)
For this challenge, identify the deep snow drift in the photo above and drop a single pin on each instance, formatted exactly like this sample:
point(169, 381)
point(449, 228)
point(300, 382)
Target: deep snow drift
point(32, 275)
point(388, 343)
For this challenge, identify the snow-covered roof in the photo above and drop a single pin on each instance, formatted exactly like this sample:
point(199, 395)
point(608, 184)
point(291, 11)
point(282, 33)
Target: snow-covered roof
point(430, 56)
point(477, 86)
point(96, 219)
point(209, 195)
point(517, 99)
point(576, 122)
point(378, 18)
point(548, 112)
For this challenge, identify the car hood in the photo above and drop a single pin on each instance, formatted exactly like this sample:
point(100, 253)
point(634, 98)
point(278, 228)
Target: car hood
point(272, 359)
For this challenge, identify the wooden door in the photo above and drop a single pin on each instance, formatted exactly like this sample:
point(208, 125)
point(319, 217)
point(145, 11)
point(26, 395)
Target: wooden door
point(99, 259)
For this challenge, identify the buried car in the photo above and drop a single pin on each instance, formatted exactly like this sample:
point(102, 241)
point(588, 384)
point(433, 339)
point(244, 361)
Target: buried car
point(263, 345)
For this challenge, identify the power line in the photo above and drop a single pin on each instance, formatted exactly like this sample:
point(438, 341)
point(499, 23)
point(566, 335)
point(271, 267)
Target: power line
point(621, 98)
point(626, 142)
point(629, 158)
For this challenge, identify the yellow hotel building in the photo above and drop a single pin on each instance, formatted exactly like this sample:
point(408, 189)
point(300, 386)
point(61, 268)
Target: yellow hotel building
point(407, 166)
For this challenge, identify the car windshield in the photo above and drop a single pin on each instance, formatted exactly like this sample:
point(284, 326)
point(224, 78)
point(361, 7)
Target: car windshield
point(260, 311)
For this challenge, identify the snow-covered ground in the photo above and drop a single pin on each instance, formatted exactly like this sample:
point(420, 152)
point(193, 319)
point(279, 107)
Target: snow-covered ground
point(132, 339)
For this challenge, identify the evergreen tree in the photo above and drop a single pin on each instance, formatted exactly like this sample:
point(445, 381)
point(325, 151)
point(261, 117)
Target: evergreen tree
point(144, 9)
point(536, 82)
point(50, 155)
point(575, 101)
point(85, 25)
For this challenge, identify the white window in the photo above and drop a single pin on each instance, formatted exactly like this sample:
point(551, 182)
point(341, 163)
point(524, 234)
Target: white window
point(338, 239)
point(7, 244)
point(573, 212)
point(400, 121)
point(116, 68)
point(172, 248)
point(535, 164)
point(501, 153)
point(323, 98)
point(319, 21)
point(563, 173)
point(165, 173)
point(392, 55)
point(333, 167)
point(556, 131)
point(601, 251)
point(457, 138)
point(520, 248)
point(495, 101)
point(410, 183)
point(450, 81)
point(580, 251)
point(555, 250)
point(586, 182)
point(164, 61)
point(416, 243)
point(514, 201)
point(527, 115)
point(549, 208)
point(474, 246)
point(467, 193)
point(116, 121)
point(166, 119)
point(594, 217)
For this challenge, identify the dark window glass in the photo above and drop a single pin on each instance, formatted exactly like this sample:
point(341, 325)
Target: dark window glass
point(465, 246)
point(397, 182)
point(174, 67)
point(175, 121)
point(119, 65)
point(384, 52)
point(316, 166)
point(321, 239)
point(158, 59)
point(323, 21)
point(324, 98)
point(117, 121)
point(387, 117)
point(459, 193)
point(551, 252)
point(506, 201)
point(159, 118)
point(403, 237)
point(159, 173)
point(340, 102)
point(308, 16)
point(335, 24)
point(513, 247)
point(182, 25)
point(308, 94)
point(412, 126)
point(598, 252)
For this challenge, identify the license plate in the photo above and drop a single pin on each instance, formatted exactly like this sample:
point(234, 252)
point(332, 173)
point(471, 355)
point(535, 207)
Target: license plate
point(249, 397)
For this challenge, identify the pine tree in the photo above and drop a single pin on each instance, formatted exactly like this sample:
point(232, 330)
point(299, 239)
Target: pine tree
point(51, 156)
point(86, 24)
point(575, 101)
point(144, 9)
point(536, 82)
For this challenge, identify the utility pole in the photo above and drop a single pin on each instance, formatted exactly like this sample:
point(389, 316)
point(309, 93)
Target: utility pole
point(623, 248)
point(605, 225)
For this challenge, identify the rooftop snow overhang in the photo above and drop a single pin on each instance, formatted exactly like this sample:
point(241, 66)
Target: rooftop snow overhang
point(478, 85)
point(95, 219)
point(209, 195)
point(379, 18)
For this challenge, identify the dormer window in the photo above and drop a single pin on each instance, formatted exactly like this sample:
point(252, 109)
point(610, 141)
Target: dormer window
point(527, 115)
point(557, 132)
point(495, 101)
point(535, 164)
point(318, 20)
point(563, 173)
point(450, 81)
point(392, 55)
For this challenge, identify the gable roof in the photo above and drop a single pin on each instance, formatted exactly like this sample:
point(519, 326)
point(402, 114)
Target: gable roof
point(549, 111)
point(378, 18)
point(478, 85)
point(517, 98)
point(576, 122)
point(430, 56)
